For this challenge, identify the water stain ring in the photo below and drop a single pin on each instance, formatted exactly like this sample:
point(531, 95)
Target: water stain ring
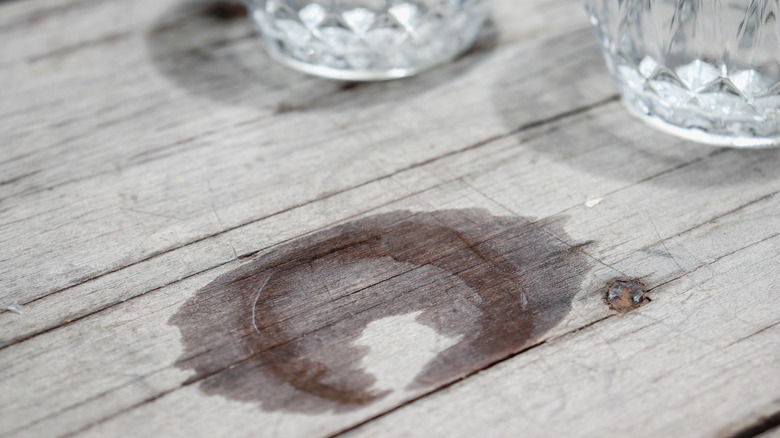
point(282, 330)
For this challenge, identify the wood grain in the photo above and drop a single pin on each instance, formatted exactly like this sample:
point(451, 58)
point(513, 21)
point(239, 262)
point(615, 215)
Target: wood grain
point(149, 149)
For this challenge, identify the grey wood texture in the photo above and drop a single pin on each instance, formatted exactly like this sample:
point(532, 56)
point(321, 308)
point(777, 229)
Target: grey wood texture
point(149, 147)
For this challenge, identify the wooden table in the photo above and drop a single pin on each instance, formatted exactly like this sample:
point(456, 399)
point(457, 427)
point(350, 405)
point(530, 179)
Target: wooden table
point(197, 241)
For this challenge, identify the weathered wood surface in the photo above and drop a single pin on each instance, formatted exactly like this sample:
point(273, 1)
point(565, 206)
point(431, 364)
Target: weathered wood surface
point(153, 159)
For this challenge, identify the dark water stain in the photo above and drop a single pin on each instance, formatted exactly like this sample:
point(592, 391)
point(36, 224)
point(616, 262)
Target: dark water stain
point(281, 330)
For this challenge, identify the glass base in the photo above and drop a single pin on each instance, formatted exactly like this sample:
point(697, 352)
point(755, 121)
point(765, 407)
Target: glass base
point(638, 110)
point(706, 71)
point(358, 44)
point(342, 74)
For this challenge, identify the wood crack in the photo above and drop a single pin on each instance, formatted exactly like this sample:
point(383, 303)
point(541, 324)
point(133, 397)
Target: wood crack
point(18, 178)
point(69, 50)
point(717, 259)
point(43, 13)
point(759, 426)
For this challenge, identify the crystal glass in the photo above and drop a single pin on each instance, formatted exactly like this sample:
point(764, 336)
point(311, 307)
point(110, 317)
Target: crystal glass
point(706, 70)
point(367, 39)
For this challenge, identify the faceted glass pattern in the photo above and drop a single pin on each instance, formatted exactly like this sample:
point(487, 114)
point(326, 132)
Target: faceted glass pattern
point(707, 70)
point(367, 39)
